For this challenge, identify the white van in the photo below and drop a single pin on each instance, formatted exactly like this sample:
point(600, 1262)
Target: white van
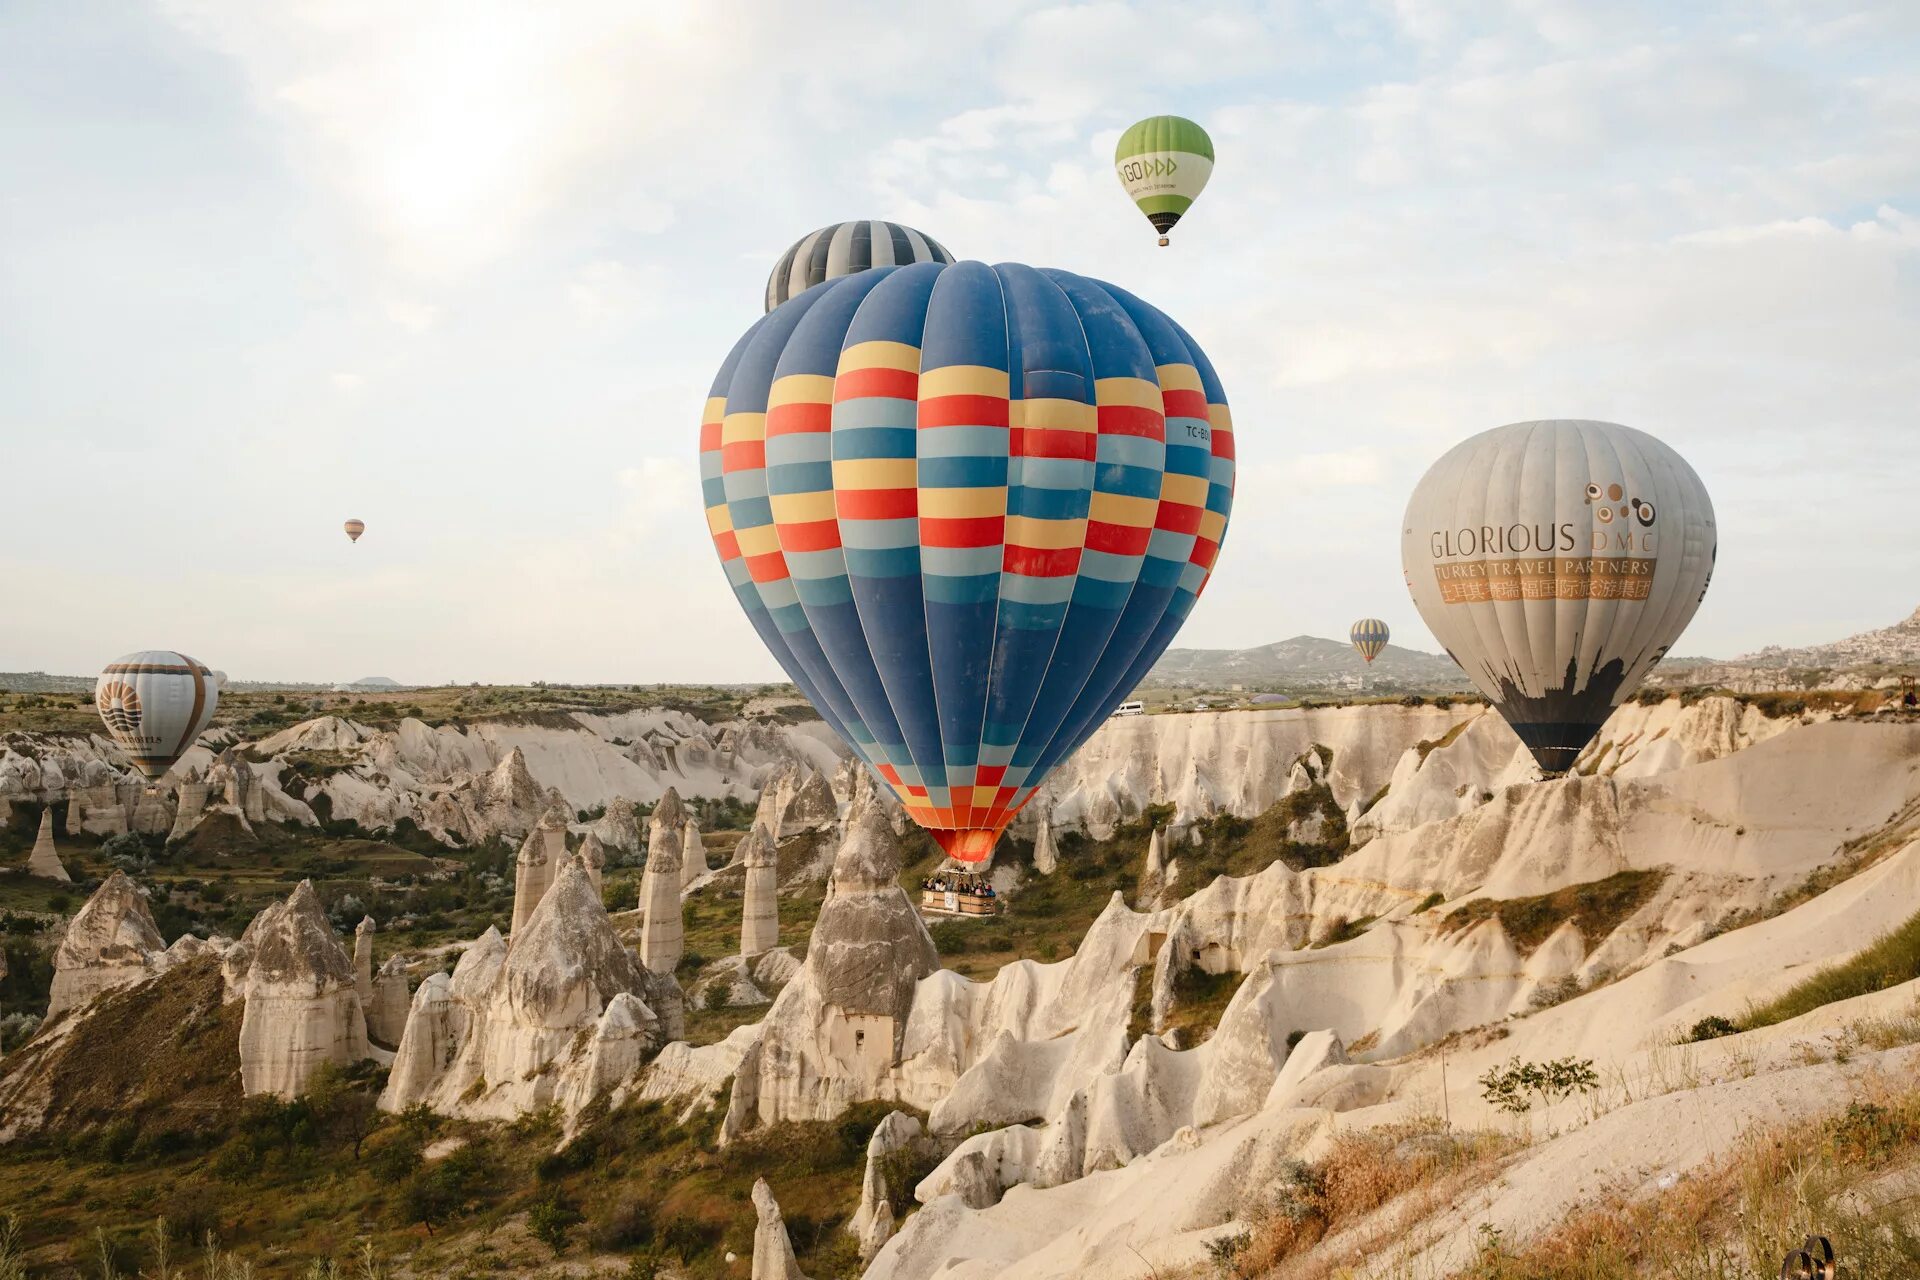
point(1130, 709)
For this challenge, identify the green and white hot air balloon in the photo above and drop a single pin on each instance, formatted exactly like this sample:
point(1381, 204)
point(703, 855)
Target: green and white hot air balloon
point(1164, 163)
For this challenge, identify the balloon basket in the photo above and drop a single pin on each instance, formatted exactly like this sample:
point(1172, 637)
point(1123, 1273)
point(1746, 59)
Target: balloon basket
point(1164, 242)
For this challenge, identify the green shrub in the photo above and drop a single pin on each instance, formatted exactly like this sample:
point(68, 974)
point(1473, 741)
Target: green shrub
point(1512, 1088)
point(549, 1221)
point(1868, 1133)
point(1712, 1027)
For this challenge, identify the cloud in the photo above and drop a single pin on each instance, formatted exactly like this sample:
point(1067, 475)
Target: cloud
point(531, 233)
point(606, 291)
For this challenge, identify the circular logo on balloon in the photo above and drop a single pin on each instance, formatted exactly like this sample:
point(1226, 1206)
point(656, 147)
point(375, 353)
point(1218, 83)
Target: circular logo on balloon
point(120, 708)
point(1608, 506)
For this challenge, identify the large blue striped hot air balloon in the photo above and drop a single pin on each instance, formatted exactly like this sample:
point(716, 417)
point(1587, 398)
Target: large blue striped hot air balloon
point(966, 507)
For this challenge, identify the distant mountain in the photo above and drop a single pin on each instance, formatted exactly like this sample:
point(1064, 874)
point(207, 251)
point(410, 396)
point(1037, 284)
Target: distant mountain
point(1897, 645)
point(1306, 662)
point(41, 682)
point(376, 682)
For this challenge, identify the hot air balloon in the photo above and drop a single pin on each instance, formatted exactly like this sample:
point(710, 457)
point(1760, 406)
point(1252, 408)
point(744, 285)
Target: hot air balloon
point(154, 704)
point(1369, 636)
point(354, 529)
point(966, 507)
point(1557, 562)
point(844, 248)
point(1164, 162)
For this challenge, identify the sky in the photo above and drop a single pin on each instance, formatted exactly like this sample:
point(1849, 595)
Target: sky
point(465, 270)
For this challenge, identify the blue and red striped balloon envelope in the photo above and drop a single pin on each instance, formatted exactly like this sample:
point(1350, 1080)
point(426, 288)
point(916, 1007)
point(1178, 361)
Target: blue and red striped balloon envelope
point(966, 507)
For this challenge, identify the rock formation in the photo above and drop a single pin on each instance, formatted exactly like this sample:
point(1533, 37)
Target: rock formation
point(152, 812)
point(813, 807)
point(833, 1037)
point(772, 1251)
point(619, 830)
point(44, 861)
point(363, 964)
point(693, 854)
point(872, 1223)
point(663, 936)
point(503, 801)
point(191, 802)
point(855, 783)
point(542, 854)
point(796, 800)
point(1046, 856)
point(1153, 878)
point(776, 793)
point(1205, 764)
point(760, 917)
point(301, 1005)
point(387, 1015)
point(593, 856)
point(440, 1021)
point(111, 943)
point(559, 1018)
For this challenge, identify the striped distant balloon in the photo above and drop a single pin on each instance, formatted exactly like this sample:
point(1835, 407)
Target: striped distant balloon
point(1164, 163)
point(845, 248)
point(354, 529)
point(966, 507)
point(155, 704)
point(1369, 636)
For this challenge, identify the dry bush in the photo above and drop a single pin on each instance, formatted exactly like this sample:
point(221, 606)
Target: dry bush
point(1735, 1219)
point(1361, 1172)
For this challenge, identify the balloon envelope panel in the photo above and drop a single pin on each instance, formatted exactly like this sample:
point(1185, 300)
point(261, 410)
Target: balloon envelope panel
point(966, 507)
point(155, 703)
point(1557, 562)
point(847, 248)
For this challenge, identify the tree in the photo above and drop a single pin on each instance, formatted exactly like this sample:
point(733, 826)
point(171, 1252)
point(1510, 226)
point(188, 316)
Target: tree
point(549, 1221)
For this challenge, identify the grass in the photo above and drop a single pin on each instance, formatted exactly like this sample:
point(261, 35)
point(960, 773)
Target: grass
point(164, 1132)
point(1242, 846)
point(1737, 1217)
point(1890, 960)
point(1427, 746)
point(1199, 1000)
point(1596, 908)
point(1047, 919)
point(1345, 931)
point(1421, 1163)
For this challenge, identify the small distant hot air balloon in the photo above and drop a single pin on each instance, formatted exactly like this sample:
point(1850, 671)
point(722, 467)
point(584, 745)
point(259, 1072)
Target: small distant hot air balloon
point(966, 507)
point(1369, 636)
point(1557, 562)
point(845, 248)
point(354, 529)
point(155, 704)
point(1164, 162)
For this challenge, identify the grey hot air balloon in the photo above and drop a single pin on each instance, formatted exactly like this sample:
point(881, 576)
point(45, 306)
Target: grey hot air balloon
point(1557, 562)
point(844, 248)
point(154, 704)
